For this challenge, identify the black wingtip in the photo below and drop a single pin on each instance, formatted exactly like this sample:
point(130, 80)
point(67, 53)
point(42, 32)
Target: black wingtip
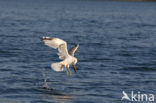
point(46, 38)
point(41, 38)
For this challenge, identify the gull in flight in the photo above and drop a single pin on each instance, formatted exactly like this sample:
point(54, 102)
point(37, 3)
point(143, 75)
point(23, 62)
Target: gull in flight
point(66, 56)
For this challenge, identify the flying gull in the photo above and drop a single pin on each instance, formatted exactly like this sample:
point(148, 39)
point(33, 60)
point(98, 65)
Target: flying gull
point(66, 56)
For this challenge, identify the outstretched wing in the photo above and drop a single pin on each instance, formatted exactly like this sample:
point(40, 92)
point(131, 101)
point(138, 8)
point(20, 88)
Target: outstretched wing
point(57, 43)
point(73, 50)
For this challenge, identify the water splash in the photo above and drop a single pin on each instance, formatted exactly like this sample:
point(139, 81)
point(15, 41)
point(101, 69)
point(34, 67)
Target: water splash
point(45, 85)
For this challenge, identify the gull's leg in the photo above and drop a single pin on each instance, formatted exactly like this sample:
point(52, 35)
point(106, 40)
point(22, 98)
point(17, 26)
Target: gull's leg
point(67, 70)
point(70, 73)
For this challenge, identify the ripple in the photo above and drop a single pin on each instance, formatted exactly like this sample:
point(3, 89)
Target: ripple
point(139, 69)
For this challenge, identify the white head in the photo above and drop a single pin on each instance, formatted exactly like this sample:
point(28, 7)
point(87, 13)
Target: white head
point(74, 64)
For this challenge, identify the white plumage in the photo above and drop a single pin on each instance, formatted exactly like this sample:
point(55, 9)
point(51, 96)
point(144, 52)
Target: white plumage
point(66, 57)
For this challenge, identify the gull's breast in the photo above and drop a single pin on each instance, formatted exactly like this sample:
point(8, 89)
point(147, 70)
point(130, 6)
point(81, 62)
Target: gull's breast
point(68, 61)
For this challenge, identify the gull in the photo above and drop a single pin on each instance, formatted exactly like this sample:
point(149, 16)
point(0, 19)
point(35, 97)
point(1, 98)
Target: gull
point(66, 56)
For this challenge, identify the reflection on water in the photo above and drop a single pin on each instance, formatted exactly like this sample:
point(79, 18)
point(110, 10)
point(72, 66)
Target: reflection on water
point(58, 98)
point(53, 95)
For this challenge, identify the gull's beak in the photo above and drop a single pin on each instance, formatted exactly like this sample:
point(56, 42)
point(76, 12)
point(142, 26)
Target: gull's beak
point(74, 67)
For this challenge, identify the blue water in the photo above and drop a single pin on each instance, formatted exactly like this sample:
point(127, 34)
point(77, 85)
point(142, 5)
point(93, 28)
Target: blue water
point(117, 50)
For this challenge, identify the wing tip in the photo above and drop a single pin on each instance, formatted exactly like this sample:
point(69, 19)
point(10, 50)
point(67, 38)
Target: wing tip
point(77, 45)
point(46, 38)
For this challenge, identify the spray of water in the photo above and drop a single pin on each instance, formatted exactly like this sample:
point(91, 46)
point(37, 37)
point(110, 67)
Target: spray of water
point(45, 85)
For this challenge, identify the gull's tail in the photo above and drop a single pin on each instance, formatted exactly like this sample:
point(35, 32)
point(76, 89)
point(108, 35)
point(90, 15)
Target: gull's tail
point(57, 66)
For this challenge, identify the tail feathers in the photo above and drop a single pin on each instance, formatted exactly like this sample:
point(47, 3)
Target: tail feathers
point(57, 66)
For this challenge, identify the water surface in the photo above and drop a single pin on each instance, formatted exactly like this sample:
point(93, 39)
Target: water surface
point(117, 50)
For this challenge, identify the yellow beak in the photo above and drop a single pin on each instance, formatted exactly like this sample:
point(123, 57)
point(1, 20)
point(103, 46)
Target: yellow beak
point(74, 67)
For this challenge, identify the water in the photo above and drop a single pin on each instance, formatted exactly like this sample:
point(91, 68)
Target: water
point(117, 50)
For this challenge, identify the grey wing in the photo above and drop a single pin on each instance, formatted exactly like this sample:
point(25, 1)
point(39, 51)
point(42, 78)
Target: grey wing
point(72, 50)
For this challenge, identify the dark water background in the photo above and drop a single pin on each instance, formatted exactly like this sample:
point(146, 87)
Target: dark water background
point(117, 50)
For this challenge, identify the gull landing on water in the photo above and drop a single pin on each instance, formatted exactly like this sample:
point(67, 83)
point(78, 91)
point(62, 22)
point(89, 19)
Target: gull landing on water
point(66, 56)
